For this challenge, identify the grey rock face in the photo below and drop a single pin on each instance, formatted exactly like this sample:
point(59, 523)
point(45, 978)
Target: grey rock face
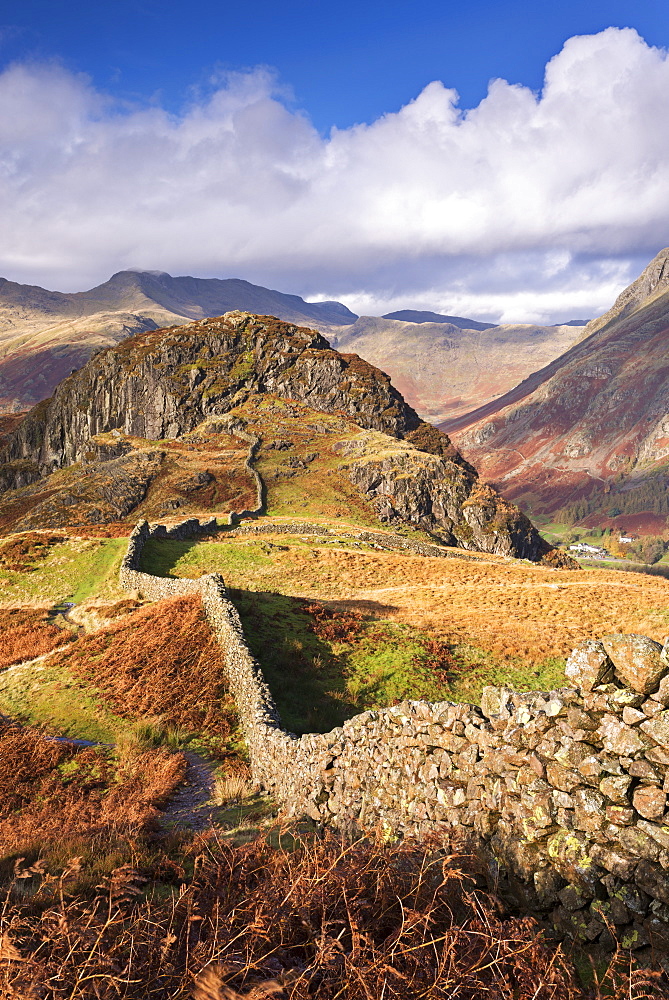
point(589, 665)
point(637, 662)
point(436, 493)
point(658, 729)
point(163, 383)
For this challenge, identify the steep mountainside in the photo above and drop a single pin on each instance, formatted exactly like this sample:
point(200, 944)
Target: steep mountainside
point(44, 335)
point(590, 430)
point(162, 385)
point(444, 367)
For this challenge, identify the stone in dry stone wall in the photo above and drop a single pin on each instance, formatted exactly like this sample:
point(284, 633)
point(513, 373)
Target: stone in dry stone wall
point(637, 661)
point(563, 793)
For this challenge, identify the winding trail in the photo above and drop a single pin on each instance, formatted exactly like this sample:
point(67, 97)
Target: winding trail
point(63, 610)
point(191, 806)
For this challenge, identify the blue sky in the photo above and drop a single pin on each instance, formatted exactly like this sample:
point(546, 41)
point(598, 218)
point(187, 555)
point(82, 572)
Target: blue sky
point(198, 138)
point(345, 62)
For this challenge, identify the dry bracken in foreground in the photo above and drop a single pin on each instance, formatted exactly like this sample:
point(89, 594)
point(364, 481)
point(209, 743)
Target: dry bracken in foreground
point(325, 920)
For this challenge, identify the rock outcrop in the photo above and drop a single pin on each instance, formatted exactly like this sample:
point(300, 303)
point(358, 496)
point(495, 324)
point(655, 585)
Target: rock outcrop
point(44, 335)
point(434, 493)
point(162, 384)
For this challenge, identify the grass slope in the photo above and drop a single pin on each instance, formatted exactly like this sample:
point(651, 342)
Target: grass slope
point(156, 664)
point(505, 622)
point(324, 666)
point(74, 569)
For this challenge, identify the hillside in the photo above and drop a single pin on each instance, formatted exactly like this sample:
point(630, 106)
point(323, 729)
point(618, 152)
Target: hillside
point(137, 854)
point(158, 855)
point(103, 443)
point(44, 335)
point(588, 432)
point(446, 366)
point(425, 316)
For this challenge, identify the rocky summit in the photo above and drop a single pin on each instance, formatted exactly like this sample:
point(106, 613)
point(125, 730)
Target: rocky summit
point(44, 334)
point(161, 386)
point(443, 365)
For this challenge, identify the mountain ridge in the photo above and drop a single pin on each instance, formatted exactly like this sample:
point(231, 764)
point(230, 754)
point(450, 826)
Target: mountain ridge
point(444, 369)
point(425, 316)
point(45, 335)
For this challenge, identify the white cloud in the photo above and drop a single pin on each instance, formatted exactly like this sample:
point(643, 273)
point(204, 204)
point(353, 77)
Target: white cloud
point(527, 206)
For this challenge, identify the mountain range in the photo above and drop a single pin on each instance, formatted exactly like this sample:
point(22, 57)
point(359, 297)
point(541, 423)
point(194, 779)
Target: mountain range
point(444, 370)
point(443, 364)
point(589, 432)
point(44, 335)
point(569, 421)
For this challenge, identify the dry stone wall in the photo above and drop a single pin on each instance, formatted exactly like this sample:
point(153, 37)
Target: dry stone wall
point(154, 588)
point(230, 425)
point(380, 539)
point(563, 793)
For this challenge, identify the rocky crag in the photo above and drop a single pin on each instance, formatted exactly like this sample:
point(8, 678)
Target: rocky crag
point(163, 384)
point(563, 794)
point(45, 334)
point(441, 364)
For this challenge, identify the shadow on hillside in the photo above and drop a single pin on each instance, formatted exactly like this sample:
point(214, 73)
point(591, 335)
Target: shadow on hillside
point(306, 676)
point(374, 609)
point(160, 555)
point(623, 567)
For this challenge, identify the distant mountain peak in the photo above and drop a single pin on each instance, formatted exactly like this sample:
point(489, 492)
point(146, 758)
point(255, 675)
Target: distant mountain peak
point(336, 307)
point(44, 335)
point(143, 270)
point(653, 278)
point(653, 281)
point(424, 316)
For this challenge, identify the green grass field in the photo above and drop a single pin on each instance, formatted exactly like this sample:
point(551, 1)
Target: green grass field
point(316, 684)
point(321, 673)
point(76, 570)
point(50, 696)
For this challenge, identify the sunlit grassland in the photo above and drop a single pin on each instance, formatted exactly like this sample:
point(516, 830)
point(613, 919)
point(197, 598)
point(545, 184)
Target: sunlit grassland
point(507, 622)
point(304, 477)
point(174, 558)
point(478, 668)
point(51, 696)
point(318, 678)
point(75, 570)
point(320, 490)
